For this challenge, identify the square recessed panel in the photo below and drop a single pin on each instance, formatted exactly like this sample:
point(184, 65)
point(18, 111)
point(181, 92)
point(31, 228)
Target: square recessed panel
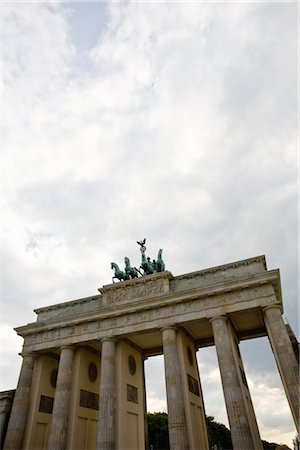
point(200, 329)
point(250, 319)
point(147, 340)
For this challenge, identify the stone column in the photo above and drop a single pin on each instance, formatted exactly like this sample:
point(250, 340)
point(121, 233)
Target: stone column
point(18, 416)
point(60, 413)
point(2, 423)
point(244, 435)
point(107, 402)
point(144, 358)
point(178, 434)
point(6, 400)
point(285, 357)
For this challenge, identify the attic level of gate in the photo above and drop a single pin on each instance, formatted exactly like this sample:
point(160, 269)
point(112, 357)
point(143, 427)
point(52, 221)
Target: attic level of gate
point(83, 361)
point(136, 310)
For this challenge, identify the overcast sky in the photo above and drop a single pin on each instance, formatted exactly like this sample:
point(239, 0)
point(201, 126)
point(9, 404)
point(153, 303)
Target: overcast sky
point(171, 120)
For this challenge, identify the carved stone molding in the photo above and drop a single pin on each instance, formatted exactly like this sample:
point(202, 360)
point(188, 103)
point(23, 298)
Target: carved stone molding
point(137, 319)
point(133, 290)
point(246, 262)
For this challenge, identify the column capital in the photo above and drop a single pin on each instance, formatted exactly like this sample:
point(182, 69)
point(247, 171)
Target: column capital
point(108, 338)
point(224, 318)
point(169, 327)
point(68, 347)
point(274, 306)
point(28, 355)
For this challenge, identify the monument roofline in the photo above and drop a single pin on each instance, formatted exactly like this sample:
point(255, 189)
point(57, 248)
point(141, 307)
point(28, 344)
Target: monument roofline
point(135, 281)
point(167, 274)
point(235, 264)
point(145, 304)
point(112, 333)
point(67, 303)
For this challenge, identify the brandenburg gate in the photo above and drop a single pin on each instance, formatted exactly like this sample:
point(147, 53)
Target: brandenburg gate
point(82, 384)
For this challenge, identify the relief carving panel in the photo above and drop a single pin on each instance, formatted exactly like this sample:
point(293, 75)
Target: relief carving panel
point(137, 320)
point(132, 394)
point(46, 404)
point(89, 400)
point(193, 385)
point(125, 294)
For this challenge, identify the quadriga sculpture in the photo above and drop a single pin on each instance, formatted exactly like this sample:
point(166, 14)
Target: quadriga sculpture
point(119, 274)
point(149, 267)
point(130, 271)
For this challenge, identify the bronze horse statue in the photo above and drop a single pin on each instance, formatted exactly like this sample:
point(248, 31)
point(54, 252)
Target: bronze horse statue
point(119, 274)
point(146, 264)
point(154, 266)
point(160, 265)
point(132, 272)
point(149, 267)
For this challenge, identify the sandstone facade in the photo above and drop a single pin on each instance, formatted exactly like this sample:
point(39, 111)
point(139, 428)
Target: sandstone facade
point(82, 381)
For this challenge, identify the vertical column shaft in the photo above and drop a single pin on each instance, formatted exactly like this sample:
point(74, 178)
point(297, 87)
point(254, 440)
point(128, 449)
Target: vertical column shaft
point(145, 405)
point(2, 424)
point(107, 403)
point(178, 434)
point(244, 436)
point(18, 416)
point(285, 357)
point(60, 413)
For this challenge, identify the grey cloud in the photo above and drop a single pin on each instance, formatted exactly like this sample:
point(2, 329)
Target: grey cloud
point(184, 133)
point(11, 370)
point(67, 199)
point(279, 421)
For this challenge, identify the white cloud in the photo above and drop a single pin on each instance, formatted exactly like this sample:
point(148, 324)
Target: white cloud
point(155, 384)
point(10, 342)
point(10, 346)
point(182, 128)
point(155, 403)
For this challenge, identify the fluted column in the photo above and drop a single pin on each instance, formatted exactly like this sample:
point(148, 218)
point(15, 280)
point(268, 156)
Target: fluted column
point(6, 401)
point(178, 434)
point(2, 423)
point(107, 402)
point(18, 416)
point(285, 357)
point(145, 404)
point(60, 413)
point(244, 435)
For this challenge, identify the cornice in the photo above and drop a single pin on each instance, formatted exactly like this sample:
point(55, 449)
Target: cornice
point(136, 281)
point(161, 275)
point(222, 268)
point(270, 277)
point(63, 305)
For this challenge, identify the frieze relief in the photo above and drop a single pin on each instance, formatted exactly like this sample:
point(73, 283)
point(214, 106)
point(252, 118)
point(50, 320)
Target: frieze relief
point(126, 294)
point(213, 270)
point(120, 296)
point(33, 338)
point(136, 320)
point(149, 288)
